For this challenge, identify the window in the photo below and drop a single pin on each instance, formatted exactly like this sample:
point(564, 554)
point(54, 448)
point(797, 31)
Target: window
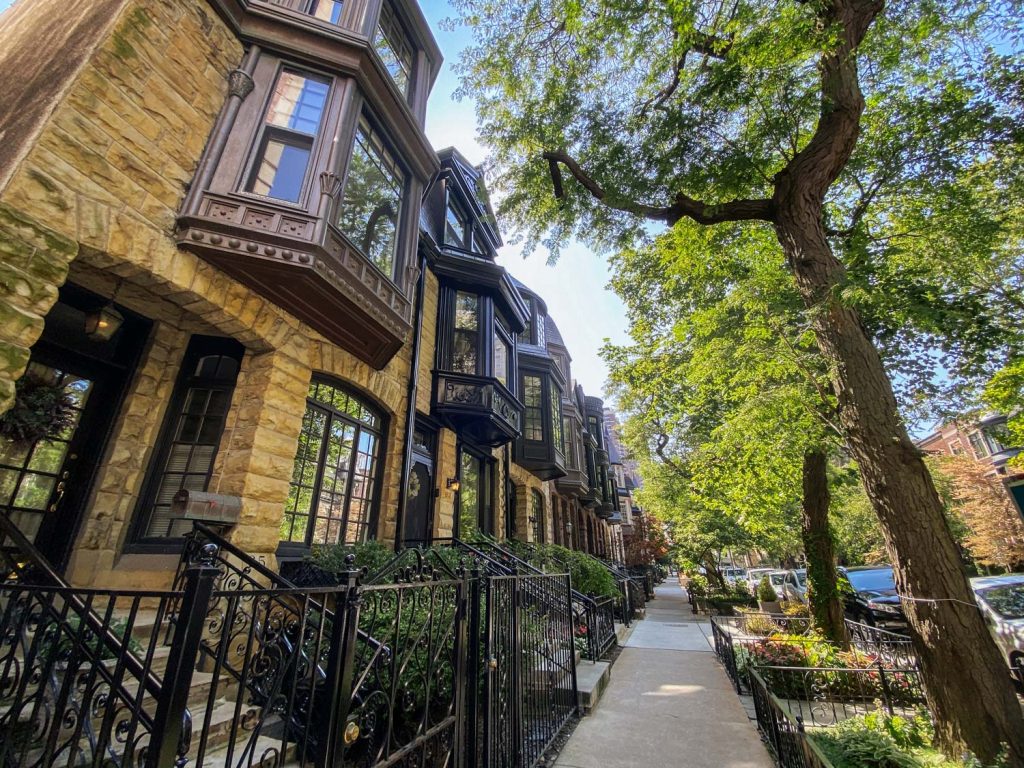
point(373, 199)
point(456, 227)
point(555, 402)
point(537, 516)
point(978, 444)
point(191, 433)
point(501, 358)
point(528, 331)
point(474, 494)
point(467, 336)
point(333, 489)
point(541, 337)
point(328, 10)
point(290, 126)
point(393, 47)
point(533, 417)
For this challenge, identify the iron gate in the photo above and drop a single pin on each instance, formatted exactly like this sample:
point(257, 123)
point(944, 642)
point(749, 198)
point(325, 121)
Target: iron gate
point(531, 672)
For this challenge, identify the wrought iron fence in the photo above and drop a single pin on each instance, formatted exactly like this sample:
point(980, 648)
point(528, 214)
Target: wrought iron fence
point(783, 732)
point(893, 647)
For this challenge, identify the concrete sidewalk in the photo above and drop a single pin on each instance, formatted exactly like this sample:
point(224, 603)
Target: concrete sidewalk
point(668, 704)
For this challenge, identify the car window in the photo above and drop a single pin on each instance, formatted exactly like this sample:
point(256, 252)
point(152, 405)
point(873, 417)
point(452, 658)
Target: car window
point(778, 579)
point(800, 578)
point(1006, 600)
point(873, 580)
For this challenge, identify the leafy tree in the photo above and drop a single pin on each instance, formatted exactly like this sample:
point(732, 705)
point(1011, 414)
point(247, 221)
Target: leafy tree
point(824, 121)
point(994, 533)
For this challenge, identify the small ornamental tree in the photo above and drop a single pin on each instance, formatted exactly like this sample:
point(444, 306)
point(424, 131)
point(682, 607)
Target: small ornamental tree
point(766, 592)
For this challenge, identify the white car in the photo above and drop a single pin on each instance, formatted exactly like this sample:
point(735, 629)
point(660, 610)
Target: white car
point(754, 576)
point(1002, 603)
point(794, 585)
point(733, 574)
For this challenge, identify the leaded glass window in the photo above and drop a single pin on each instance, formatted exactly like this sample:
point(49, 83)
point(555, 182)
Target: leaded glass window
point(332, 494)
point(555, 402)
point(541, 333)
point(466, 339)
point(291, 124)
point(533, 416)
point(537, 516)
point(374, 189)
point(393, 47)
point(191, 434)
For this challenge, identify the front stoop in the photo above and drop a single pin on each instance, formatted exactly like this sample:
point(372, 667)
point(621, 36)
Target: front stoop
point(591, 680)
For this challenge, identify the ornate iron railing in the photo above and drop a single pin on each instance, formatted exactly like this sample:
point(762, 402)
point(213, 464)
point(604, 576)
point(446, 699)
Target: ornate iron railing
point(531, 686)
point(783, 732)
point(893, 647)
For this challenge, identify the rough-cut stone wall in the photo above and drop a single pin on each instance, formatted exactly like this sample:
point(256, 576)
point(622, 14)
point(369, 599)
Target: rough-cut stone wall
point(445, 467)
point(428, 344)
point(525, 483)
point(100, 188)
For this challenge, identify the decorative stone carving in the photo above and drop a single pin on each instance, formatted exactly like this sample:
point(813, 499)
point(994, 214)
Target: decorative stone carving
point(240, 84)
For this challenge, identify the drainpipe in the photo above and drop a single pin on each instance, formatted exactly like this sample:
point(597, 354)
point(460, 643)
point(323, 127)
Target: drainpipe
point(410, 415)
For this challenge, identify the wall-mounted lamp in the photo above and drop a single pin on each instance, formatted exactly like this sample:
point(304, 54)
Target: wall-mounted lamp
point(103, 323)
point(452, 483)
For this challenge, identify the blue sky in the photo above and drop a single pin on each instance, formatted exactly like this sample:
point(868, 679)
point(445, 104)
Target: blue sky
point(575, 288)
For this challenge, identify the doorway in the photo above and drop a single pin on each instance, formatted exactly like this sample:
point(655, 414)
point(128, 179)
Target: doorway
point(45, 483)
point(419, 514)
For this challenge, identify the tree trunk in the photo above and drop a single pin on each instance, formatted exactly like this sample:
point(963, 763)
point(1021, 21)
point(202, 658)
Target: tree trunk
point(822, 586)
point(967, 680)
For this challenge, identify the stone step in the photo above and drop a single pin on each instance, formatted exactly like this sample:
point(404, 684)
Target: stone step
point(591, 680)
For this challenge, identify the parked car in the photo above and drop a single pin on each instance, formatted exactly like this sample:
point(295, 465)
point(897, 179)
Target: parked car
point(754, 576)
point(733, 574)
point(870, 597)
point(1001, 599)
point(794, 585)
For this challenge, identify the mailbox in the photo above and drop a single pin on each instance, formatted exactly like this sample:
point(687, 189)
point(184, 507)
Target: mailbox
point(211, 508)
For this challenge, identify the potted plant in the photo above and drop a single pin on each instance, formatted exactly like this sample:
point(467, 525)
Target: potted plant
point(767, 597)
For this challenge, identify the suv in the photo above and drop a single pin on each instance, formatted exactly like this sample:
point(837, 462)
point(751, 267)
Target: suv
point(870, 596)
point(754, 577)
point(1001, 599)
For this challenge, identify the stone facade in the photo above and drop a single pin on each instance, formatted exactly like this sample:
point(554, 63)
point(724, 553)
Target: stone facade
point(94, 200)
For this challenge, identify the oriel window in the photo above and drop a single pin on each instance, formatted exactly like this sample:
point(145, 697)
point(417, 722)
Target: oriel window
point(533, 400)
point(327, 10)
point(291, 124)
point(456, 227)
point(393, 46)
point(555, 403)
point(372, 203)
point(466, 338)
point(333, 492)
point(502, 358)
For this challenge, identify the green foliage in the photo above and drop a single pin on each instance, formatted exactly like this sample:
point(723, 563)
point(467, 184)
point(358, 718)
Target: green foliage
point(765, 591)
point(43, 410)
point(588, 575)
point(59, 640)
point(372, 555)
point(877, 739)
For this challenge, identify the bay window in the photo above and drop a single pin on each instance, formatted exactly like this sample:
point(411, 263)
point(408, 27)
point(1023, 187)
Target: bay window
point(392, 45)
point(466, 334)
point(290, 126)
point(533, 417)
point(372, 202)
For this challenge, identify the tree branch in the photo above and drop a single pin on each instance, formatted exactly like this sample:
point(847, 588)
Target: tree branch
point(683, 206)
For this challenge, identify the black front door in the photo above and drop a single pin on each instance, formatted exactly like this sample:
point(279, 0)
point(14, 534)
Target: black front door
point(419, 508)
point(45, 483)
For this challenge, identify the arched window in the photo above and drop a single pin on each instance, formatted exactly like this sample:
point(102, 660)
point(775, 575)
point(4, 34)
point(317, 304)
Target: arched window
point(537, 516)
point(332, 498)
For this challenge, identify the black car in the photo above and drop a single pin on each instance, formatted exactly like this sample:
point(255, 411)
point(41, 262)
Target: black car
point(870, 597)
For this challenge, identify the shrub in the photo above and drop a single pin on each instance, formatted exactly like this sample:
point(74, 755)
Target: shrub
point(698, 585)
point(765, 591)
point(739, 588)
point(372, 555)
point(759, 624)
point(795, 609)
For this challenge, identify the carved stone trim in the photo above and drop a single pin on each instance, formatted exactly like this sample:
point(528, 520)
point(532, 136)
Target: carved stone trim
point(330, 184)
point(240, 84)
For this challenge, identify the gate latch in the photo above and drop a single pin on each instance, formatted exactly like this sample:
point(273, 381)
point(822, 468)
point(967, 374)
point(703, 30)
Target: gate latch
point(492, 664)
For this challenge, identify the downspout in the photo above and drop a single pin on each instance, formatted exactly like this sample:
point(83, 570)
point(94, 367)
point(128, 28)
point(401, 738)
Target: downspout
point(410, 416)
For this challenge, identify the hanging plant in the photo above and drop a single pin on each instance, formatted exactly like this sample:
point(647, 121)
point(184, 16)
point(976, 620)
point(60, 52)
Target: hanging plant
point(42, 410)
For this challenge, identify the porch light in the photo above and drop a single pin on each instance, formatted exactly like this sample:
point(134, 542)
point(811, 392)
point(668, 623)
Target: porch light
point(452, 483)
point(103, 323)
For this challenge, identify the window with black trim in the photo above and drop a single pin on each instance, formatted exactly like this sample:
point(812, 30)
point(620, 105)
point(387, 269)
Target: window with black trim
point(394, 48)
point(372, 202)
point(533, 401)
point(457, 230)
point(502, 357)
point(290, 126)
point(537, 516)
point(327, 10)
point(190, 436)
point(466, 336)
point(475, 493)
point(332, 497)
point(555, 402)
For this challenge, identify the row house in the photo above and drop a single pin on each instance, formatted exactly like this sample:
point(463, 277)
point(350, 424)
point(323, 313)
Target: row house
point(234, 261)
point(983, 439)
